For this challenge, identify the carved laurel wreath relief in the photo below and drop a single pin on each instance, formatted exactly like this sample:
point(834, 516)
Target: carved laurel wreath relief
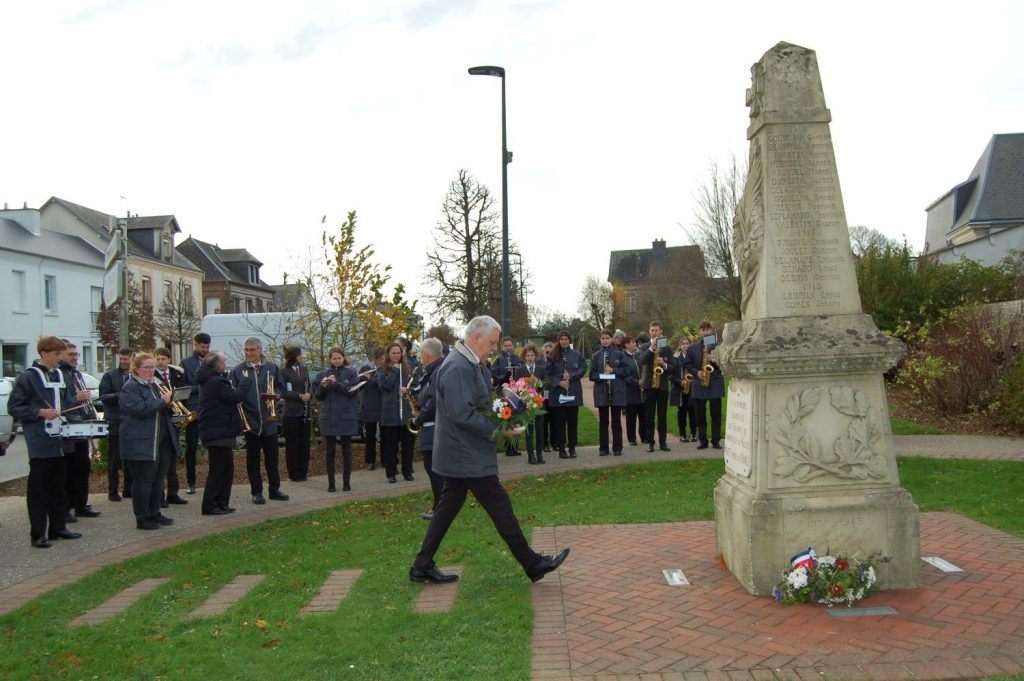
point(855, 455)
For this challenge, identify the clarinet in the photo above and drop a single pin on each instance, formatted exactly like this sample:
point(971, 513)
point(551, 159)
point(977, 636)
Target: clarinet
point(607, 384)
point(306, 386)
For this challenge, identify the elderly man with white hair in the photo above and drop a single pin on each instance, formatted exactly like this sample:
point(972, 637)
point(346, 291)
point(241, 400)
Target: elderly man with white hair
point(465, 456)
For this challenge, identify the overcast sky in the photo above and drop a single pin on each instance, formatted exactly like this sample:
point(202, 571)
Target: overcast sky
point(250, 121)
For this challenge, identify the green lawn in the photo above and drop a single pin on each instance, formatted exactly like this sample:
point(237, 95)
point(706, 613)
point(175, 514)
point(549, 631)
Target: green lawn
point(374, 634)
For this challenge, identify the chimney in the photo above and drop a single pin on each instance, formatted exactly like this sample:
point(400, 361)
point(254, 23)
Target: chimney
point(659, 254)
point(27, 218)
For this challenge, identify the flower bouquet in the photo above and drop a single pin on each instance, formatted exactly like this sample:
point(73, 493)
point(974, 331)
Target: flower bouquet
point(828, 580)
point(514, 406)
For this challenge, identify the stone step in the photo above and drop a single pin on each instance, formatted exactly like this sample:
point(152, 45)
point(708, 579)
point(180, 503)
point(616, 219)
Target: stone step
point(118, 602)
point(334, 590)
point(229, 594)
point(439, 597)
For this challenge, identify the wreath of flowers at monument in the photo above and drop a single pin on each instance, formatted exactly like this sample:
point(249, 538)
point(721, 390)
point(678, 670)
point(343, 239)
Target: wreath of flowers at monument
point(854, 455)
point(515, 405)
point(827, 580)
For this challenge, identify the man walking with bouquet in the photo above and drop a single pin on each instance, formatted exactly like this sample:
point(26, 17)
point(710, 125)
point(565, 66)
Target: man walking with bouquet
point(465, 455)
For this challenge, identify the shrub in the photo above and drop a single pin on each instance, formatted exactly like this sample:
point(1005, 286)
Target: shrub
point(1011, 396)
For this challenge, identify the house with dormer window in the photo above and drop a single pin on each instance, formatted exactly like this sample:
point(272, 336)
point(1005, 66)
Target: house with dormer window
point(232, 281)
point(982, 218)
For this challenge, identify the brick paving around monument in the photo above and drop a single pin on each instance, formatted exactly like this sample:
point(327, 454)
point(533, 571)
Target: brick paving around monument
point(611, 616)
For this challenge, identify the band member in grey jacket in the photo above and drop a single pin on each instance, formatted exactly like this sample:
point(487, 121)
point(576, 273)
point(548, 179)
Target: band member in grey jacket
point(706, 399)
point(262, 439)
point(564, 371)
point(465, 454)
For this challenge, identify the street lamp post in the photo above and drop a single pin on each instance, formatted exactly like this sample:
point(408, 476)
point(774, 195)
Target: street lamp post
point(506, 158)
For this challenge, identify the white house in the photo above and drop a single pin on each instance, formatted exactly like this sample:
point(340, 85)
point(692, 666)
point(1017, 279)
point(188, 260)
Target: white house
point(52, 285)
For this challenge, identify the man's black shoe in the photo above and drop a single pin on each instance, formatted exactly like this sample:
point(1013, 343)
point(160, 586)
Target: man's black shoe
point(617, 452)
point(216, 510)
point(602, 452)
point(632, 443)
point(147, 524)
point(572, 452)
point(191, 489)
point(164, 504)
point(650, 447)
point(228, 509)
point(392, 479)
point(332, 488)
point(127, 494)
point(87, 512)
point(666, 448)
point(114, 496)
point(372, 466)
point(164, 520)
point(41, 543)
point(408, 477)
point(65, 534)
point(562, 454)
point(703, 445)
point(70, 518)
point(548, 564)
point(432, 574)
point(176, 500)
point(278, 496)
point(346, 487)
point(716, 445)
point(259, 499)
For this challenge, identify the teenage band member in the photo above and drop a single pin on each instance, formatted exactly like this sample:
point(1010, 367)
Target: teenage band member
point(170, 378)
point(369, 412)
point(706, 398)
point(608, 373)
point(680, 398)
point(395, 412)
point(534, 368)
point(544, 361)
point(110, 389)
point(77, 450)
point(565, 369)
point(337, 389)
point(635, 419)
point(465, 455)
point(191, 364)
point(37, 397)
point(220, 422)
point(502, 371)
point(657, 355)
point(298, 392)
point(149, 441)
point(432, 354)
point(262, 439)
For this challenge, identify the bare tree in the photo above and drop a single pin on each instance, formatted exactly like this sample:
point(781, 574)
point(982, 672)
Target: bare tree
point(597, 302)
point(464, 262)
point(717, 198)
point(863, 238)
point(177, 320)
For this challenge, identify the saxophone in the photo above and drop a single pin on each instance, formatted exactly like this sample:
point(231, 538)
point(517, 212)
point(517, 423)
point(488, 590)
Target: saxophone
point(687, 382)
point(706, 369)
point(656, 379)
point(414, 406)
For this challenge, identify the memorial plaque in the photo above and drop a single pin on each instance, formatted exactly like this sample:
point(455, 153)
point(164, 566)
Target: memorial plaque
point(739, 435)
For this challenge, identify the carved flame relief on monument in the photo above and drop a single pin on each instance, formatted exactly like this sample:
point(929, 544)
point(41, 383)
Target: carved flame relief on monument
point(857, 454)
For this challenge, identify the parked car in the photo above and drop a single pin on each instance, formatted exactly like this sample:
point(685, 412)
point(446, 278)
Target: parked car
point(7, 425)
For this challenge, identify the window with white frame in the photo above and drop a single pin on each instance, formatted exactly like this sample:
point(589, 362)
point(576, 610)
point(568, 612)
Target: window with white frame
point(18, 290)
point(50, 293)
point(630, 304)
point(147, 289)
point(212, 305)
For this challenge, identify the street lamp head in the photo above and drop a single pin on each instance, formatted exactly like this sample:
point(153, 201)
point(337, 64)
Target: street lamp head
point(487, 71)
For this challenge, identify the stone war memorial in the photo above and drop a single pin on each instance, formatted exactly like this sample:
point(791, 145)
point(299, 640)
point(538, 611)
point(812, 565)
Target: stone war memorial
point(808, 452)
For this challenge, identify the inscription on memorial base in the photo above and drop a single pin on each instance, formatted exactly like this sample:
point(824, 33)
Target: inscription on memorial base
point(808, 449)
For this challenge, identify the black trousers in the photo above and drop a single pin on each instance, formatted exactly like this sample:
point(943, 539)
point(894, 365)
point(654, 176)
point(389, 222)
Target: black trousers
point(296, 446)
point(78, 469)
point(46, 496)
point(330, 447)
point(686, 413)
point(492, 496)
point(609, 416)
point(148, 483)
point(436, 481)
point(546, 429)
point(564, 420)
point(114, 463)
point(191, 446)
point(173, 483)
point(218, 481)
point(636, 423)
point(370, 442)
point(393, 438)
point(255, 445)
point(657, 404)
point(535, 435)
point(700, 407)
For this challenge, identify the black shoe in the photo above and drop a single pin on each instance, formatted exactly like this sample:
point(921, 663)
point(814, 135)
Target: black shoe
point(164, 520)
point(432, 574)
point(547, 448)
point(127, 494)
point(408, 477)
point(41, 543)
point(228, 509)
point(87, 512)
point(372, 467)
point(147, 524)
point(392, 479)
point(176, 500)
point(602, 452)
point(69, 518)
point(332, 488)
point(65, 534)
point(259, 498)
point(540, 458)
point(632, 443)
point(547, 564)
point(572, 452)
point(429, 515)
point(217, 510)
point(702, 445)
point(278, 496)
point(665, 448)
point(114, 496)
point(650, 447)
point(164, 504)
point(531, 458)
point(716, 445)
point(191, 489)
point(616, 452)
point(345, 487)
point(562, 454)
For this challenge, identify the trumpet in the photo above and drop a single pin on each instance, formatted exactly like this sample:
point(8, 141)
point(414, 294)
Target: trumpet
point(706, 369)
point(246, 428)
point(270, 397)
point(90, 411)
point(414, 406)
point(181, 415)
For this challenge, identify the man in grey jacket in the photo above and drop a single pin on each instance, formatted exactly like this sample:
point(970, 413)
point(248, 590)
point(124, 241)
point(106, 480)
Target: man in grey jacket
point(465, 456)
